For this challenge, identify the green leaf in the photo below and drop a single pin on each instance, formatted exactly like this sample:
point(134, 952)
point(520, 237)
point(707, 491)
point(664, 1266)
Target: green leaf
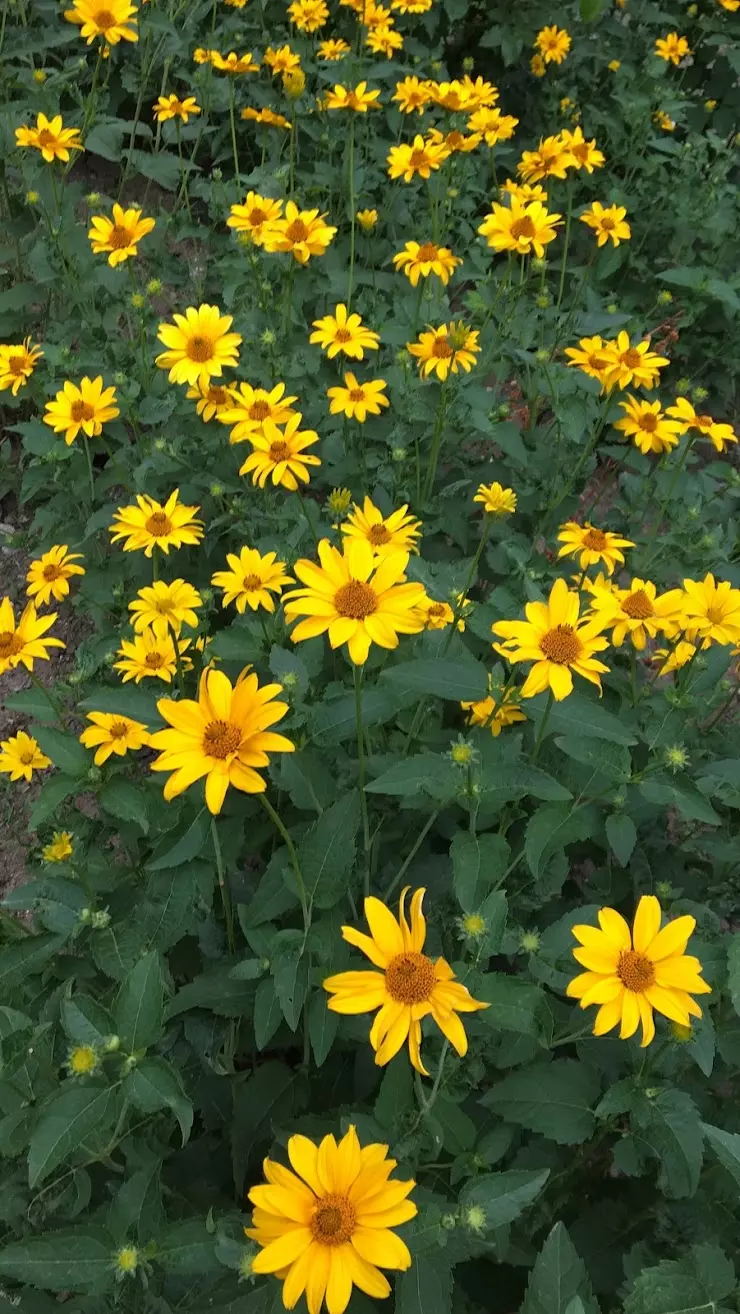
point(478, 866)
point(456, 681)
point(503, 1196)
point(612, 760)
point(187, 847)
point(426, 1288)
point(555, 1099)
point(559, 1275)
point(19, 961)
point(590, 10)
point(267, 1013)
point(423, 773)
point(31, 702)
point(322, 1027)
point(65, 751)
point(622, 836)
point(137, 1208)
point(514, 1005)
point(682, 795)
point(85, 1021)
point(64, 1123)
point(124, 800)
point(508, 781)
point(68, 1260)
point(261, 1102)
point(154, 1084)
point(694, 1284)
point(580, 716)
point(327, 851)
point(187, 1248)
point(335, 718)
point(140, 1004)
point(131, 700)
point(53, 792)
point(726, 1146)
point(549, 829)
point(669, 1127)
point(733, 971)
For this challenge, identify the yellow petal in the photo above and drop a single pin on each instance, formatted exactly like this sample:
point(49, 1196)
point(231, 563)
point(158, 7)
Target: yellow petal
point(647, 922)
point(383, 927)
point(281, 1253)
point(672, 939)
point(339, 1285)
point(630, 1015)
point(615, 928)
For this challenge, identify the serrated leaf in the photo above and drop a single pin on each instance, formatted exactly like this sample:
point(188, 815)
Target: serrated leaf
point(559, 1275)
point(612, 760)
point(260, 1102)
point(124, 800)
point(726, 1146)
point(503, 1196)
point(327, 851)
point(622, 836)
point(19, 961)
point(513, 1005)
point(681, 794)
point(67, 1260)
point(154, 1084)
point(139, 1007)
point(550, 829)
point(65, 751)
point(670, 1128)
point(478, 866)
point(555, 1099)
point(188, 846)
point(694, 1284)
point(426, 1288)
point(65, 1123)
point(457, 681)
point(421, 773)
point(579, 715)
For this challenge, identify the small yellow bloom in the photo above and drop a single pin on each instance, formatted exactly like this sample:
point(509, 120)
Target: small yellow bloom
point(20, 755)
point(251, 580)
point(119, 236)
point(593, 357)
point(233, 63)
point(669, 660)
point(582, 154)
point(672, 48)
point(60, 848)
point(152, 524)
point(49, 575)
point(638, 611)
point(553, 44)
point(171, 107)
point(384, 40)
point(538, 66)
point(493, 127)
point(211, 399)
point(198, 344)
point(279, 454)
point(446, 348)
point(50, 137)
point(608, 222)
point(265, 116)
point(636, 366)
point(333, 50)
point(367, 219)
point(110, 733)
point(646, 424)
point(357, 400)
point(308, 15)
point(23, 644)
point(87, 408)
point(664, 121)
point(175, 601)
point(17, 363)
point(82, 1060)
point(151, 654)
point(302, 233)
point(397, 532)
point(127, 1259)
point(251, 407)
point(495, 712)
point(344, 333)
point(495, 499)
point(549, 160)
point(711, 611)
point(719, 434)
point(281, 60)
point(254, 215)
point(422, 157)
point(592, 545)
point(356, 98)
point(420, 260)
point(412, 95)
point(614, 65)
point(339, 501)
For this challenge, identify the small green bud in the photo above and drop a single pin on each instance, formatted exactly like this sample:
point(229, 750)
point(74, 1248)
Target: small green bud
point(542, 354)
point(474, 1218)
point(504, 411)
point(398, 454)
point(529, 942)
point(94, 775)
point(85, 915)
point(268, 338)
point(216, 489)
point(663, 889)
point(119, 378)
point(542, 301)
point(612, 308)
point(468, 64)
point(665, 298)
point(448, 1222)
point(217, 174)
point(100, 920)
point(453, 193)
point(652, 1092)
point(154, 286)
point(111, 1044)
point(539, 263)
point(676, 757)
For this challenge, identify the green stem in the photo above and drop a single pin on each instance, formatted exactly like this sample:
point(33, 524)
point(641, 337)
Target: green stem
point(185, 177)
point(460, 605)
point(293, 114)
point(306, 516)
point(661, 512)
point(407, 862)
point(178, 659)
point(91, 476)
point(232, 121)
point(436, 443)
point(49, 698)
point(277, 823)
point(428, 1104)
point(543, 727)
point(568, 217)
point(223, 887)
point(633, 676)
point(361, 776)
point(351, 208)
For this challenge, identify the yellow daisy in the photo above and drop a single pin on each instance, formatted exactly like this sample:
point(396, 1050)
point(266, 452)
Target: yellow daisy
point(171, 107)
point(152, 524)
point(120, 235)
point(112, 20)
point(672, 48)
point(421, 157)
point(24, 643)
point(49, 575)
point(280, 454)
point(302, 233)
point(110, 733)
point(175, 602)
point(420, 260)
point(254, 215)
point(251, 407)
point(553, 43)
point(60, 848)
point(412, 95)
point(152, 653)
point(211, 399)
point(495, 499)
point(224, 736)
point(592, 545)
point(333, 50)
point(639, 612)
point(493, 127)
point(495, 711)
point(345, 333)
point(449, 347)
point(711, 611)
point(17, 363)
point(50, 137)
point(233, 63)
point(384, 40)
point(367, 219)
point(329, 1228)
point(607, 222)
point(198, 344)
point(251, 579)
point(409, 986)
point(357, 400)
point(281, 60)
point(524, 228)
point(581, 154)
point(646, 424)
point(20, 756)
point(86, 407)
point(549, 160)
point(557, 641)
point(636, 366)
point(308, 15)
point(718, 434)
point(592, 357)
point(630, 975)
point(397, 532)
point(356, 98)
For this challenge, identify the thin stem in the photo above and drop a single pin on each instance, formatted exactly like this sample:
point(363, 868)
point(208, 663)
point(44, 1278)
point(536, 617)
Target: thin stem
point(223, 887)
point(723, 707)
point(460, 605)
point(351, 208)
point(427, 1104)
point(436, 443)
point(543, 727)
point(277, 823)
point(91, 476)
point(232, 121)
point(292, 149)
point(178, 658)
point(51, 700)
point(306, 516)
point(361, 776)
point(568, 217)
point(633, 676)
point(415, 849)
point(182, 166)
point(658, 519)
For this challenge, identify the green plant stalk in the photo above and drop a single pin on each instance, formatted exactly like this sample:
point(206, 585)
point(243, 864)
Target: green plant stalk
point(566, 243)
point(277, 823)
point(361, 776)
point(428, 1104)
point(90, 475)
point(460, 605)
point(351, 209)
point(234, 147)
point(436, 443)
point(48, 696)
point(178, 658)
point(543, 726)
point(223, 887)
point(182, 165)
point(414, 850)
point(649, 554)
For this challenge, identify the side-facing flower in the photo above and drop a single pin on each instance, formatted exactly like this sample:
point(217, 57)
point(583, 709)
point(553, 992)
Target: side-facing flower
point(557, 641)
point(234, 63)
point(397, 532)
point(420, 260)
point(607, 222)
point(592, 357)
point(356, 98)
point(495, 499)
point(689, 418)
point(50, 137)
point(198, 344)
point(110, 733)
point(638, 611)
point(87, 407)
point(49, 575)
point(496, 711)
point(24, 643)
point(20, 756)
point(211, 399)
point(251, 579)
point(152, 524)
point(592, 545)
point(59, 848)
point(118, 237)
point(646, 424)
point(17, 363)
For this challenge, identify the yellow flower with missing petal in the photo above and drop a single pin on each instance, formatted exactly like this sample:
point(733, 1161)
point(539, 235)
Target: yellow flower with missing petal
point(357, 400)
point(449, 347)
point(557, 641)
point(419, 260)
point(672, 48)
point(110, 733)
point(20, 756)
point(152, 654)
point(333, 50)
point(496, 711)
point(49, 575)
point(171, 107)
point(718, 434)
point(211, 399)
point(495, 499)
point(608, 223)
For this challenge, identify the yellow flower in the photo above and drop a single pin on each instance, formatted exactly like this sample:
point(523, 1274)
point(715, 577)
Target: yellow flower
point(615, 64)
point(637, 366)
point(592, 357)
point(279, 453)
point(672, 659)
point(367, 219)
point(113, 20)
point(294, 83)
point(359, 599)
point(233, 63)
point(50, 137)
point(303, 233)
point(151, 653)
point(330, 1228)
point(631, 975)
point(419, 6)
point(60, 847)
point(87, 407)
point(637, 611)
point(646, 424)
point(281, 60)
point(333, 50)
point(493, 126)
point(495, 499)
point(253, 216)
point(223, 736)
point(582, 154)
point(175, 602)
point(251, 407)
point(357, 400)
point(607, 222)
point(442, 349)
point(201, 56)
point(711, 611)
point(373, 14)
point(110, 733)
point(171, 107)
point(422, 157)
point(420, 260)
point(384, 40)
point(592, 545)
point(550, 160)
point(718, 434)
point(731, 6)
point(49, 575)
point(479, 94)
point(308, 15)
point(397, 532)
point(265, 116)
point(198, 344)
point(672, 48)
point(710, 105)
point(17, 363)
point(523, 228)
point(251, 579)
point(20, 756)
point(557, 641)
point(409, 986)
point(438, 615)
point(23, 644)
point(339, 501)
point(82, 1060)
point(553, 43)
point(211, 399)
point(152, 524)
point(664, 121)
point(412, 95)
point(538, 66)
point(344, 333)
point(496, 711)
point(356, 98)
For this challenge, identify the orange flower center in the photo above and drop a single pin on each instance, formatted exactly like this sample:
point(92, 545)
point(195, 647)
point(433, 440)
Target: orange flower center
point(10, 644)
point(297, 231)
point(607, 224)
point(218, 396)
point(334, 1220)
point(154, 660)
point(259, 410)
point(119, 237)
point(81, 411)
point(342, 335)
point(595, 539)
point(16, 364)
point(631, 358)
point(597, 362)
point(649, 422)
point(580, 152)
point(251, 582)
point(523, 227)
point(104, 19)
point(257, 217)
point(158, 524)
point(200, 348)
point(715, 613)
point(638, 605)
point(409, 978)
point(427, 252)
point(436, 611)
point(704, 422)
point(441, 348)
point(46, 138)
point(635, 971)
point(561, 645)
point(52, 572)
point(27, 757)
point(221, 739)
point(118, 730)
point(278, 452)
point(417, 158)
point(356, 600)
point(379, 535)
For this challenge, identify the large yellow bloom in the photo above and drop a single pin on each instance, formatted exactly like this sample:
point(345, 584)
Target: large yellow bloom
point(17, 363)
point(254, 215)
point(49, 575)
point(112, 20)
point(637, 366)
point(357, 400)
point(557, 641)
point(550, 160)
point(409, 986)
point(553, 44)
point(607, 222)
point(356, 598)
point(493, 126)
point(153, 524)
point(20, 756)
point(397, 532)
point(280, 454)
point(646, 424)
point(23, 644)
point(449, 347)
point(638, 611)
point(175, 602)
point(110, 733)
point(422, 157)
point(592, 357)
point(412, 95)
point(329, 1228)
point(593, 545)
point(120, 235)
point(50, 137)
point(718, 434)
point(383, 40)
point(199, 345)
point(223, 736)
point(251, 407)
point(345, 333)
point(523, 227)
point(422, 259)
point(251, 579)
point(152, 654)
point(672, 48)
point(711, 611)
point(303, 233)
point(630, 975)
point(87, 407)
point(281, 60)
